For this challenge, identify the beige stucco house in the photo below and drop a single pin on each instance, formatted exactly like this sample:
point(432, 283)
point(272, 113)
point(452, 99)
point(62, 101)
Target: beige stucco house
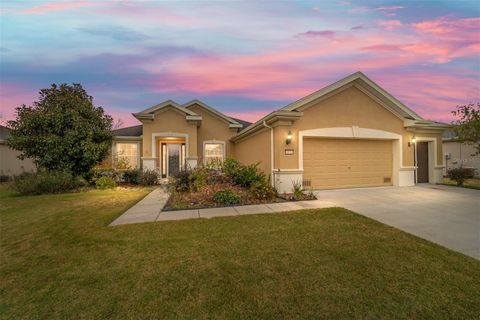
point(351, 133)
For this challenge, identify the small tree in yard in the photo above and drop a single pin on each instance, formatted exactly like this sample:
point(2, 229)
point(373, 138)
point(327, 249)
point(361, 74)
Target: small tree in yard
point(62, 131)
point(467, 126)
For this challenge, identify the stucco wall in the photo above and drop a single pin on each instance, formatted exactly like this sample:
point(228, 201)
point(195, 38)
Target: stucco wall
point(348, 108)
point(213, 128)
point(9, 163)
point(254, 149)
point(169, 120)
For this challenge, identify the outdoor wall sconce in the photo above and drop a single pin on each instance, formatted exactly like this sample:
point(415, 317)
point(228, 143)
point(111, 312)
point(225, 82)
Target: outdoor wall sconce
point(289, 137)
point(414, 140)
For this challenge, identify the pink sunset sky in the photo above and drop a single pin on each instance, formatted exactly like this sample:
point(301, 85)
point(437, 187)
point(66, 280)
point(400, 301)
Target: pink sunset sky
point(243, 58)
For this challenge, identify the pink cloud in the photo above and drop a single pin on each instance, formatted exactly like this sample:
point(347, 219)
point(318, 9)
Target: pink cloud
point(444, 26)
point(55, 6)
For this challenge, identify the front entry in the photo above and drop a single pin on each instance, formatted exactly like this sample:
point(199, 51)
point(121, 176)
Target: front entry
point(172, 158)
point(422, 162)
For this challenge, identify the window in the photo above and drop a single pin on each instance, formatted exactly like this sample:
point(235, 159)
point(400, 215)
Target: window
point(127, 154)
point(213, 152)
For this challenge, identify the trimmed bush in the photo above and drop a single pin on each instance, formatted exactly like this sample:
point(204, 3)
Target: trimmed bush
point(149, 177)
point(47, 182)
point(132, 176)
point(226, 197)
point(105, 183)
point(98, 173)
point(460, 174)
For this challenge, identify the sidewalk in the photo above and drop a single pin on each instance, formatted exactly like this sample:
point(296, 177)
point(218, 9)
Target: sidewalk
point(149, 209)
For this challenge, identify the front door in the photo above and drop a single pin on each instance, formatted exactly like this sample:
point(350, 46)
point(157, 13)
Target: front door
point(422, 162)
point(173, 158)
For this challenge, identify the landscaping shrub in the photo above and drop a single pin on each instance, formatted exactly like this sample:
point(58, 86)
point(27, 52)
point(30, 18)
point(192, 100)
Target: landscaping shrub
point(105, 183)
point(47, 182)
point(181, 181)
point(149, 177)
point(4, 178)
point(226, 197)
point(262, 190)
point(297, 190)
point(460, 174)
point(98, 173)
point(132, 176)
point(198, 178)
point(230, 168)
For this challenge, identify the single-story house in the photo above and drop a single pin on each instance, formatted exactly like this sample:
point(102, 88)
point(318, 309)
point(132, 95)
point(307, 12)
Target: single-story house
point(10, 164)
point(349, 134)
point(459, 153)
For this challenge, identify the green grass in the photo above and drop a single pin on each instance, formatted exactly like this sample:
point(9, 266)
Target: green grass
point(59, 260)
point(469, 183)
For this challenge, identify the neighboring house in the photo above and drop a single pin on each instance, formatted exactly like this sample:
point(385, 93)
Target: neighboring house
point(10, 164)
point(459, 154)
point(351, 133)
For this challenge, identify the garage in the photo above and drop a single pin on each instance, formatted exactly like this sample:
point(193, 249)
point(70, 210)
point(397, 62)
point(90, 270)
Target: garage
point(347, 163)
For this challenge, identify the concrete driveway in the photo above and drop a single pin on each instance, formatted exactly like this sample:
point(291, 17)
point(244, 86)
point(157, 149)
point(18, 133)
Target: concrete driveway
point(445, 215)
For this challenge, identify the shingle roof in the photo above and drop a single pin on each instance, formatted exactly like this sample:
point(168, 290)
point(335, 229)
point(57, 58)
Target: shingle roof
point(133, 131)
point(242, 122)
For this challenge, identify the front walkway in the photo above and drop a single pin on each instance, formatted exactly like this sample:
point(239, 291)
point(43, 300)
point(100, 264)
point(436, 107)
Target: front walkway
point(149, 209)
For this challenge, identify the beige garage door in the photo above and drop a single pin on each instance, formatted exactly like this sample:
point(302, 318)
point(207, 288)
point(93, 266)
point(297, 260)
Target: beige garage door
point(346, 163)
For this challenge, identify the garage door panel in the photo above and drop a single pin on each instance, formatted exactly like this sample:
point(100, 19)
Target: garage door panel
point(346, 163)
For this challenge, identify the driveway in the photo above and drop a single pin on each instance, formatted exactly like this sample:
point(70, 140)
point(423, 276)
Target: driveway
point(445, 215)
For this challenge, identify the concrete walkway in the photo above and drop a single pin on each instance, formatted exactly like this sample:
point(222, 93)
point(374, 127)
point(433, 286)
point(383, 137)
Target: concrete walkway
point(149, 209)
point(146, 210)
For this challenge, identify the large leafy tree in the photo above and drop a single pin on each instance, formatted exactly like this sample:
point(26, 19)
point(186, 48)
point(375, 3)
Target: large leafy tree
point(63, 130)
point(467, 125)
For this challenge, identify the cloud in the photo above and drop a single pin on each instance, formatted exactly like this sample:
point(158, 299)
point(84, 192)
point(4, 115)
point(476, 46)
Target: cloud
point(388, 10)
point(389, 24)
point(55, 6)
point(317, 34)
point(3, 49)
point(114, 32)
point(359, 27)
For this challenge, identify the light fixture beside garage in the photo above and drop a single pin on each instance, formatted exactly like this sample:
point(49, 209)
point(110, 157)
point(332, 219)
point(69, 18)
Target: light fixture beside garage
point(289, 137)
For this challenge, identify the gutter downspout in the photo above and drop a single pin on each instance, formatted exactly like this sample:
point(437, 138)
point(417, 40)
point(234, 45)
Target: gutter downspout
point(272, 149)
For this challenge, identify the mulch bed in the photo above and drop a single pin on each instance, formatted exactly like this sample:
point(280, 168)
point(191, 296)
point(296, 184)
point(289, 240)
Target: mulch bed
point(203, 198)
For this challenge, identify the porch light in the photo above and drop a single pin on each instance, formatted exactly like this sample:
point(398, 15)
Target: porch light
point(414, 140)
point(289, 137)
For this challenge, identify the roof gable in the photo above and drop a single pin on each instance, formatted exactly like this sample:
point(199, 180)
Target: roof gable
point(148, 114)
point(232, 122)
point(365, 84)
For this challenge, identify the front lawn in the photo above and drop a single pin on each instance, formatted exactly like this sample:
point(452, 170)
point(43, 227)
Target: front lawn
point(469, 183)
point(59, 260)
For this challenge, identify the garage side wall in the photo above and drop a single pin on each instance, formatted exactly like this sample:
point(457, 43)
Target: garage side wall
point(255, 148)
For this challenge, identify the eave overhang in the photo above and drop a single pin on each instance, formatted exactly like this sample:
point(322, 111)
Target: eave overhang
point(280, 115)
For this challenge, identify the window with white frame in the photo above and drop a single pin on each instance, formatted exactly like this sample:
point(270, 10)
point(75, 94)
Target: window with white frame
point(127, 152)
point(213, 152)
